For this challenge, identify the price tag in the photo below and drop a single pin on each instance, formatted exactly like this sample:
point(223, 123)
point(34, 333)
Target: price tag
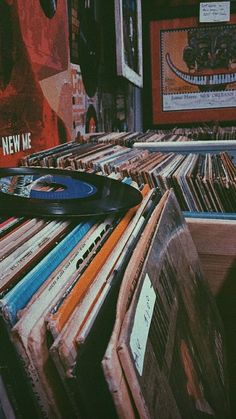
point(142, 322)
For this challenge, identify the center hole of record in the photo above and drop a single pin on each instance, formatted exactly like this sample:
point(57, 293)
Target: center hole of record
point(49, 187)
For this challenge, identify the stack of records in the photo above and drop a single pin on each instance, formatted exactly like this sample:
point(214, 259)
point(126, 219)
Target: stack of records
point(108, 316)
point(201, 182)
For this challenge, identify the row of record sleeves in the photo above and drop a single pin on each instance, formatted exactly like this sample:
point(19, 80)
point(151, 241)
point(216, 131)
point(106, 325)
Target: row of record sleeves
point(108, 318)
point(202, 182)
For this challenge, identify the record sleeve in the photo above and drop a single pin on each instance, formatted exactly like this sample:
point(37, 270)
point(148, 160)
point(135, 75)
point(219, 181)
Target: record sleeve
point(97, 331)
point(170, 343)
point(59, 319)
point(20, 295)
point(85, 307)
point(21, 260)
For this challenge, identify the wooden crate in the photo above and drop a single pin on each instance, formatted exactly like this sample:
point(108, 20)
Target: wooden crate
point(215, 241)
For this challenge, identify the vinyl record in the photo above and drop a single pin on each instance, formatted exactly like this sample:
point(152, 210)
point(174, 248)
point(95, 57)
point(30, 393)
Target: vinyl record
point(37, 192)
point(49, 7)
point(89, 50)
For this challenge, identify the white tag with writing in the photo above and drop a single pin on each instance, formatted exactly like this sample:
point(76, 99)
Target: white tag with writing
point(142, 322)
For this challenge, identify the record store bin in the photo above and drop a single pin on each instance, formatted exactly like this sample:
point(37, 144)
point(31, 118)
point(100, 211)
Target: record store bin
point(90, 301)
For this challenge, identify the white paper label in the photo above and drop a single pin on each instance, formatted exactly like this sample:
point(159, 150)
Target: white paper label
point(142, 322)
point(214, 12)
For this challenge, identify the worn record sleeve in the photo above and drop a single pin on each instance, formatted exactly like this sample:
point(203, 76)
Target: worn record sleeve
point(170, 344)
point(56, 157)
point(30, 339)
point(22, 259)
point(201, 174)
point(230, 169)
point(89, 386)
point(64, 348)
point(226, 199)
point(199, 185)
point(98, 157)
point(175, 172)
point(105, 163)
point(210, 182)
point(59, 319)
point(84, 150)
point(191, 183)
point(20, 295)
point(29, 335)
point(26, 359)
point(206, 184)
point(34, 158)
point(20, 234)
point(6, 225)
point(215, 182)
point(228, 161)
point(183, 181)
point(67, 272)
point(112, 370)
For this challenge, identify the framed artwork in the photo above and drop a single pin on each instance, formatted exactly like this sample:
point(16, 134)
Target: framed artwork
point(128, 25)
point(193, 71)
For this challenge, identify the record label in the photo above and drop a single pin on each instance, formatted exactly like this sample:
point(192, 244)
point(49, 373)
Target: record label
point(37, 192)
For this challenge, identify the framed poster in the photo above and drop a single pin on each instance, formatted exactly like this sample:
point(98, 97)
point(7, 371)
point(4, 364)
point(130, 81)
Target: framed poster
point(193, 71)
point(128, 24)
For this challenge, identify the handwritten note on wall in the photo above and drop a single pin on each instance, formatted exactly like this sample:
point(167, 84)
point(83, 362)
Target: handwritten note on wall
point(214, 12)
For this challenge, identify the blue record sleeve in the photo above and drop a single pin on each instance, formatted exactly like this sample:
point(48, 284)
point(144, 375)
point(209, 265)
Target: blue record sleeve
point(17, 298)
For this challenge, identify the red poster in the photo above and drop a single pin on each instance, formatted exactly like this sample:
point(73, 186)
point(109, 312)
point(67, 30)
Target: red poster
point(35, 86)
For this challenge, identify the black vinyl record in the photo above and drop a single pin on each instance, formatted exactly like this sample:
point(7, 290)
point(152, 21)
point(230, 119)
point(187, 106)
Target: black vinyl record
point(49, 7)
point(39, 192)
point(89, 50)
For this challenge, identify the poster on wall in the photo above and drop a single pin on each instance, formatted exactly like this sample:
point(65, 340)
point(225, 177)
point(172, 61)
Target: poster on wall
point(35, 85)
point(84, 108)
point(193, 71)
point(83, 41)
point(128, 23)
point(78, 101)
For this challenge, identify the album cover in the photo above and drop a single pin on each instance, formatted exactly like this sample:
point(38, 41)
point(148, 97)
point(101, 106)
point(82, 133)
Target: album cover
point(128, 24)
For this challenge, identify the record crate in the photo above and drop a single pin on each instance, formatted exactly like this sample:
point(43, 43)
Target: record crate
point(215, 240)
point(214, 235)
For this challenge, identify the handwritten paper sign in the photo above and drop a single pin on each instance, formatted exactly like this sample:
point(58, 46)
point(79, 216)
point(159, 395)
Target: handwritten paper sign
point(142, 322)
point(214, 12)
